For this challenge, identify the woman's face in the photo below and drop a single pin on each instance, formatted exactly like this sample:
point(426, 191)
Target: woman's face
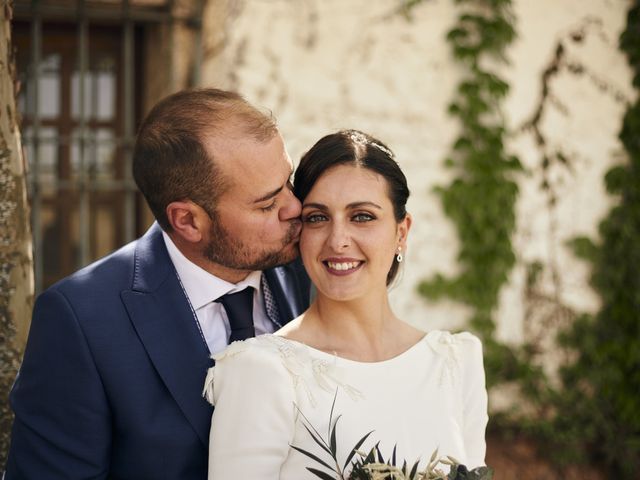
point(350, 235)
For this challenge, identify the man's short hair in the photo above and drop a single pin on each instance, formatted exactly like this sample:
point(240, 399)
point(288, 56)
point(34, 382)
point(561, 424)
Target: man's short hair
point(171, 161)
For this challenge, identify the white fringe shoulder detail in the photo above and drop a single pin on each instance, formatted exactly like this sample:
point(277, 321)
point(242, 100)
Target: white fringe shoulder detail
point(305, 369)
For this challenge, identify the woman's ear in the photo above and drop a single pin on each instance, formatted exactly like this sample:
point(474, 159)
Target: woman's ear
point(188, 220)
point(403, 231)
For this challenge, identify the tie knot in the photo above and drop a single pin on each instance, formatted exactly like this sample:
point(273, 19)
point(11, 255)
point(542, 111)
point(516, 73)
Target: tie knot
point(239, 308)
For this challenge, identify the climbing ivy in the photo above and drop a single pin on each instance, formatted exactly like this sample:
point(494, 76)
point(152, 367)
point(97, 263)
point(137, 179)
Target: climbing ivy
point(593, 416)
point(599, 406)
point(481, 199)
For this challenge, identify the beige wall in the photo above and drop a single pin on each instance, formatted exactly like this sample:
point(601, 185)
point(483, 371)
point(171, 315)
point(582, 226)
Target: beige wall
point(321, 65)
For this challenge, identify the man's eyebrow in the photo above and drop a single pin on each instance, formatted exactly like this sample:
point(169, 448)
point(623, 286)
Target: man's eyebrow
point(275, 192)
point(269, 195)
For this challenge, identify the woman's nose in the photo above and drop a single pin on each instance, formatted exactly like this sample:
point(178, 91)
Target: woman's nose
point(339, 239)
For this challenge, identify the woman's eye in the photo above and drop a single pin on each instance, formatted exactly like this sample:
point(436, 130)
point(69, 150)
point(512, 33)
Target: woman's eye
point(363, 217)
point(314, 218)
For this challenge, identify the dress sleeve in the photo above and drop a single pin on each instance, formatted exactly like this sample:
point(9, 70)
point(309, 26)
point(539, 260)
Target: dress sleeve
point(474, 397)
point(253, 420)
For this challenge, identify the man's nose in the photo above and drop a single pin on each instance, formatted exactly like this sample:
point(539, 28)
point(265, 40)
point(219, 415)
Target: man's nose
point(291, 208)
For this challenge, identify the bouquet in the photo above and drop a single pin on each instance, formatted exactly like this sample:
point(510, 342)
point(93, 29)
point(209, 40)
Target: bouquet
point(373, 466)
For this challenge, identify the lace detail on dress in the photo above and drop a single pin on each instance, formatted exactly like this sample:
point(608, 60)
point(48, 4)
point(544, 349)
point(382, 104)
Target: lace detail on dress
point(297, 360)
point(447, 345)
point(303, 369)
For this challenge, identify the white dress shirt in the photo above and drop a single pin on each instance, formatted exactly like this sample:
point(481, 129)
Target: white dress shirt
point(203, 288)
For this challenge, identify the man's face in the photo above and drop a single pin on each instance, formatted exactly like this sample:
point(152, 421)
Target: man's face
point(256, 222)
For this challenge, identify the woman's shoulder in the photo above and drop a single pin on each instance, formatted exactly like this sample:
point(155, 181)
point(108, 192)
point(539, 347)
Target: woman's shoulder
point(461, 353)
point(261, 346)
point(266, 356)
point(259, 357)
point(446, 343)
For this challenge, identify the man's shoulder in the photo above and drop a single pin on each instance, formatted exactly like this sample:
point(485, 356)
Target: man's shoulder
point(115, 268)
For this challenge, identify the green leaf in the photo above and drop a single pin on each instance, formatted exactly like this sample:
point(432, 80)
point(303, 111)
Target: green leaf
point(333, 445)
point(321, 474)
point(356, 447)
point(313, 457)
point(583, 248)
point(333, 404)
point(318, 440)
point(414, 470)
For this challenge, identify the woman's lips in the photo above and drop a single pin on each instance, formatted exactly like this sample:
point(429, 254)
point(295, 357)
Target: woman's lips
point(342, 266)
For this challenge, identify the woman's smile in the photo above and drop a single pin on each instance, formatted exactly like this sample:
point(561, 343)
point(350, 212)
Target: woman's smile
point(342, 266)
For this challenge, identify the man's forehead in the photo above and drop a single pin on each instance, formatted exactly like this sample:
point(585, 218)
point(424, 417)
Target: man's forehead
point(253, 168)
point(229, 139)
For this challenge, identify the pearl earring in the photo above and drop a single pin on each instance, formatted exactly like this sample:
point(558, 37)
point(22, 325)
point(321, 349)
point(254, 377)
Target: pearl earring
point(399, 256)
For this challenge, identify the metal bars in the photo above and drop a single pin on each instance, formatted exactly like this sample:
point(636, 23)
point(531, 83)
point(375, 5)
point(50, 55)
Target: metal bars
point(70, 194)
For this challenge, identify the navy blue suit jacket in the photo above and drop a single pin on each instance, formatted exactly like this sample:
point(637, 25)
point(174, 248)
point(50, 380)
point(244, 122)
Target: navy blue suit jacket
point(111, 381)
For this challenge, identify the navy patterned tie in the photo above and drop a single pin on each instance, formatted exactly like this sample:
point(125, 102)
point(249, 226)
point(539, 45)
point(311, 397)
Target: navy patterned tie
point(270, 305)
point(239, 308)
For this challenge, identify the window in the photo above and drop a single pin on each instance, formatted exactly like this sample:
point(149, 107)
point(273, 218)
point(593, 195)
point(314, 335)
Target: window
point(81, 68)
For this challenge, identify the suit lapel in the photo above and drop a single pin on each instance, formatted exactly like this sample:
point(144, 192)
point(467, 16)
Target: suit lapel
point(163, 319)
point(290, 288)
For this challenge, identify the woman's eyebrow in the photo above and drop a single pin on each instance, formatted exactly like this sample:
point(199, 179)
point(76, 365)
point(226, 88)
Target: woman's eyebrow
point(319, 206)
point(364, 204)
point(351, 206)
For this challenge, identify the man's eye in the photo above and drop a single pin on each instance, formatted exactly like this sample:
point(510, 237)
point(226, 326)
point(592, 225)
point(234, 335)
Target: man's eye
point(363, 217)
point(314, 218)
point(269, 207)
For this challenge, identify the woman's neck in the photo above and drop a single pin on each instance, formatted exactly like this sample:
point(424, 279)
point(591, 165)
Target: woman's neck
point(358, 330)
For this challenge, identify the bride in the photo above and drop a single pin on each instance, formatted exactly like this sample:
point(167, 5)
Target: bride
point(348, 357)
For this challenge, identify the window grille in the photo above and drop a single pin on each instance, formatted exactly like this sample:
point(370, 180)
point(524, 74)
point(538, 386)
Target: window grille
point(82, 81)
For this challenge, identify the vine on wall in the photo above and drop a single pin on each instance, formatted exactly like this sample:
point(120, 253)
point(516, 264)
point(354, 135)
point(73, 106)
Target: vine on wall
point(599, 406)
point(481, 199)
point(593, 416)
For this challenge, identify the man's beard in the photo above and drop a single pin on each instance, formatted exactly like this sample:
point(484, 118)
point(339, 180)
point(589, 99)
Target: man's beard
point(233, 253)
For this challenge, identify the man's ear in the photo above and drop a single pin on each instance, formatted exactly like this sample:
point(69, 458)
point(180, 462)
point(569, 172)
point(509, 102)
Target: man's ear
point(187, 219)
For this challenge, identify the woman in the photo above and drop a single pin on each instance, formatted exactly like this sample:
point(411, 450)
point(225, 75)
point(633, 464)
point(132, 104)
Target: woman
point(348, 356)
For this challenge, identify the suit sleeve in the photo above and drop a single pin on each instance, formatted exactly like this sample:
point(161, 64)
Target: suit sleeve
point(62, 420)
point(474, 394)
point(253, 421)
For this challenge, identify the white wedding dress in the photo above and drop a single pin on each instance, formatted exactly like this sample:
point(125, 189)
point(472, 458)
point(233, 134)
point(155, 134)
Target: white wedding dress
point(266, 389)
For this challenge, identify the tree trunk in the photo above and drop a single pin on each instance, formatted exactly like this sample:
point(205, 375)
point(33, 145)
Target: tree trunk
point(16, 262)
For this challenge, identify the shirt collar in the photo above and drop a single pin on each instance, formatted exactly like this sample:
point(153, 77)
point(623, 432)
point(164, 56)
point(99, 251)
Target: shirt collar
point(201, 286)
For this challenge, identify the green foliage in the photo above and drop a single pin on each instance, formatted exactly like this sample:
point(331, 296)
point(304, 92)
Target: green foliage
point(629, 41)
point(598, 410)
point(481, 199)
point(594, 417)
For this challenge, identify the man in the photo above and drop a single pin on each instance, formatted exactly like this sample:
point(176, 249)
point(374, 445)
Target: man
point(111, 382)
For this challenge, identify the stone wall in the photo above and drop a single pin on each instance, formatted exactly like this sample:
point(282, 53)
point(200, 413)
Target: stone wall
point(322, 65)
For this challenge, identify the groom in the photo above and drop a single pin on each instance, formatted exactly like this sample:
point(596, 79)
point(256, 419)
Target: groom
point(111, 382)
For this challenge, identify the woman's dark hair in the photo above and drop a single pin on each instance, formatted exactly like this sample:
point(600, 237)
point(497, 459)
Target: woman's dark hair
point(352, 147)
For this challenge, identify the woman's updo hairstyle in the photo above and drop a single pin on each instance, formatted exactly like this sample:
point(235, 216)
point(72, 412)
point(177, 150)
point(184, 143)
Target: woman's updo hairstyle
point(352, 147)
